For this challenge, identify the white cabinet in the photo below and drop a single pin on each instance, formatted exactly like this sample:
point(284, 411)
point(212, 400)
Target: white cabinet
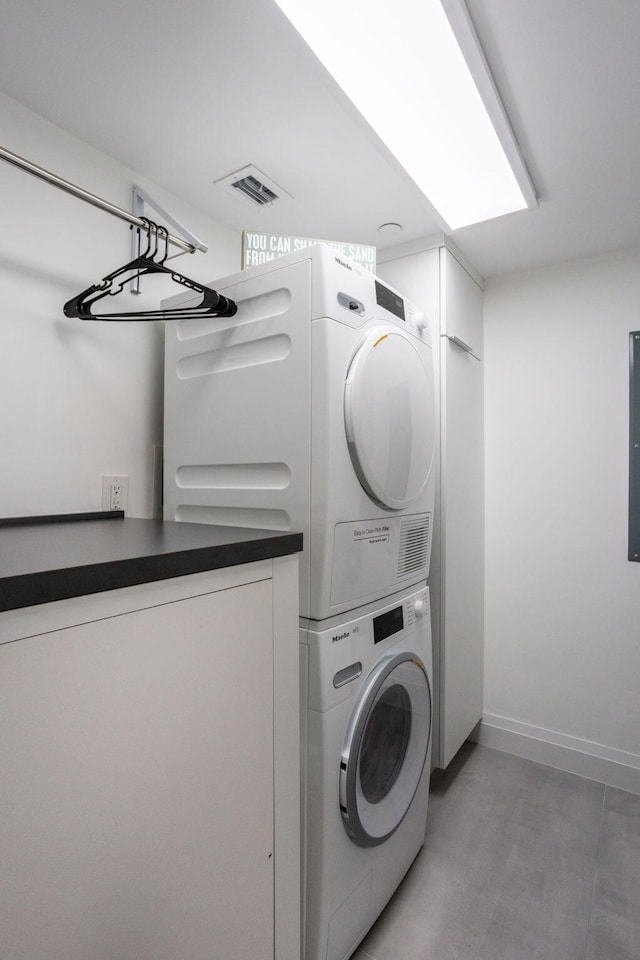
point(461, 506)
point(149, 781)
point(452, 300)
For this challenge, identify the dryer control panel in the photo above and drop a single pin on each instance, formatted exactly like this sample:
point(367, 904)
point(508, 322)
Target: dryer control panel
point(389, 307)
point(360, 296)
point(390, 300)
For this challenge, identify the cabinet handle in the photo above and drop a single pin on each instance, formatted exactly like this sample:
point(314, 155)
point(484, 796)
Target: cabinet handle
point(460, 343)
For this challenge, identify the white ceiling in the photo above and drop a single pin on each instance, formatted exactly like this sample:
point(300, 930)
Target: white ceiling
point(186, 93)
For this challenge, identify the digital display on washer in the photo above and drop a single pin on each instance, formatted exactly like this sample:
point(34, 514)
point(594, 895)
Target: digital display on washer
point(387, 624)
point(389, 300)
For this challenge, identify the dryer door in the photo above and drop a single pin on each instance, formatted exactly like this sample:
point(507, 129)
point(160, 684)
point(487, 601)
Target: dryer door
point(389, 415)
point(385, 749)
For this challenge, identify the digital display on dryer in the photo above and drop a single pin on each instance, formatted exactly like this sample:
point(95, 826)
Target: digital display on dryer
point(389, 300)
point(387, 624)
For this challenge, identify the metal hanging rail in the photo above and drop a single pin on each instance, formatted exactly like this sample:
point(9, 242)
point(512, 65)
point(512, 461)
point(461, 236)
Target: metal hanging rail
point(71, 188)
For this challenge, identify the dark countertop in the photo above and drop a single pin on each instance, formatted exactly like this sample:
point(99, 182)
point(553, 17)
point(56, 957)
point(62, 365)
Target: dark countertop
point(54, 558)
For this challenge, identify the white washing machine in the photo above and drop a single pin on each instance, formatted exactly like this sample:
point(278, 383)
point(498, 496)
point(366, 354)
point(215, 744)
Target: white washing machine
point(311, 409)
point(367, 731)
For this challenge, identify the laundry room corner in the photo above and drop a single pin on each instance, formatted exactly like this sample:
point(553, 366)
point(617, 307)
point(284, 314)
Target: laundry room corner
point(82, 399)
point(562, 599)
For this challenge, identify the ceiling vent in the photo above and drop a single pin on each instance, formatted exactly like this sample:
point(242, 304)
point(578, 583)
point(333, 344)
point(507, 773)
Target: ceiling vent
point(253, 185)
point(255, 190)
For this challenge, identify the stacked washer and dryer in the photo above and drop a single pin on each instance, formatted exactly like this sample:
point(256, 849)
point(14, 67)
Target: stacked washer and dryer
point(312, 409)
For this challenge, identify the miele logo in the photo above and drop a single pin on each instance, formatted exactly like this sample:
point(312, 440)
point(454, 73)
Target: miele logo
point(342, 263)
point(341, 636)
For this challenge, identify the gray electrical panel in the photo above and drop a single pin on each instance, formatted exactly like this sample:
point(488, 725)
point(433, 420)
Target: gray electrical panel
point(634, 445)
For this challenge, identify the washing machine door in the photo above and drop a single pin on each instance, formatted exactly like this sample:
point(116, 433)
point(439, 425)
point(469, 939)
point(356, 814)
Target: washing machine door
point(385, 748)
point(389, 412)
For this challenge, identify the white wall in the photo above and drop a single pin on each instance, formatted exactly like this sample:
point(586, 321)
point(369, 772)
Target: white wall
point(78, 399)
point(562, 671)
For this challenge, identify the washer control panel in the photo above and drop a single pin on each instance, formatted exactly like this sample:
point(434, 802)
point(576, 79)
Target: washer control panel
point(388, 623)
point(421, 608)
point(342, 651)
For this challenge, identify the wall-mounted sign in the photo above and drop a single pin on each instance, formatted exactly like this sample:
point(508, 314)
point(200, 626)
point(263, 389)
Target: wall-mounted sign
point(261, 247)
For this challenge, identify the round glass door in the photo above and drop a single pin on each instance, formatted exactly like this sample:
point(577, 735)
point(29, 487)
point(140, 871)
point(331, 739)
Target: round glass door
point(385, 749)
point(389, 413)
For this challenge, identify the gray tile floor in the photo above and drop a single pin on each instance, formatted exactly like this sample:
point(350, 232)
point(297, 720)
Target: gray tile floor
point(520, 862)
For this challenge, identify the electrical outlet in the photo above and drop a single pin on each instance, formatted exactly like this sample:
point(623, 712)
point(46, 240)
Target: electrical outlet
point(115, 492)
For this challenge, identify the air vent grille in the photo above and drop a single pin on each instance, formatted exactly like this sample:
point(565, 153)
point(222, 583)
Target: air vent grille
point(414, 545)
point(252, 188)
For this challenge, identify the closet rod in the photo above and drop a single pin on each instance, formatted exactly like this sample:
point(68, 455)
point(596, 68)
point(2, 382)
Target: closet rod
point(71, 188)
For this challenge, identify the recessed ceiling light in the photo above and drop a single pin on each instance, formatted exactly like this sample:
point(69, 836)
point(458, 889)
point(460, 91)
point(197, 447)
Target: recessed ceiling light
point(390, 229)
point(417, 74)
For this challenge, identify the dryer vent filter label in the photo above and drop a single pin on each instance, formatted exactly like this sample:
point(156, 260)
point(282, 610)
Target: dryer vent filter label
point(374, 534)
point(369, 555)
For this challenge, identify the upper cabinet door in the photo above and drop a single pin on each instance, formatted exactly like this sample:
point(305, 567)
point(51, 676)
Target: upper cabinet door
point(461, 306)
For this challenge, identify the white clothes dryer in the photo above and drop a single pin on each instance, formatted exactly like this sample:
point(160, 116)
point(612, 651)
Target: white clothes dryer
point(366, 688)
point(311, 409)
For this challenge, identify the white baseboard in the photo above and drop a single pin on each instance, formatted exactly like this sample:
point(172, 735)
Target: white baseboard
point(582, 757)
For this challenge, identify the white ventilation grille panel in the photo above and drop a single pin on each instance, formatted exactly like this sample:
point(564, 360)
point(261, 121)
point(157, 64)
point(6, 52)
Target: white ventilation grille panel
point(255, 190)
point(414, 545)
point(253, 185)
